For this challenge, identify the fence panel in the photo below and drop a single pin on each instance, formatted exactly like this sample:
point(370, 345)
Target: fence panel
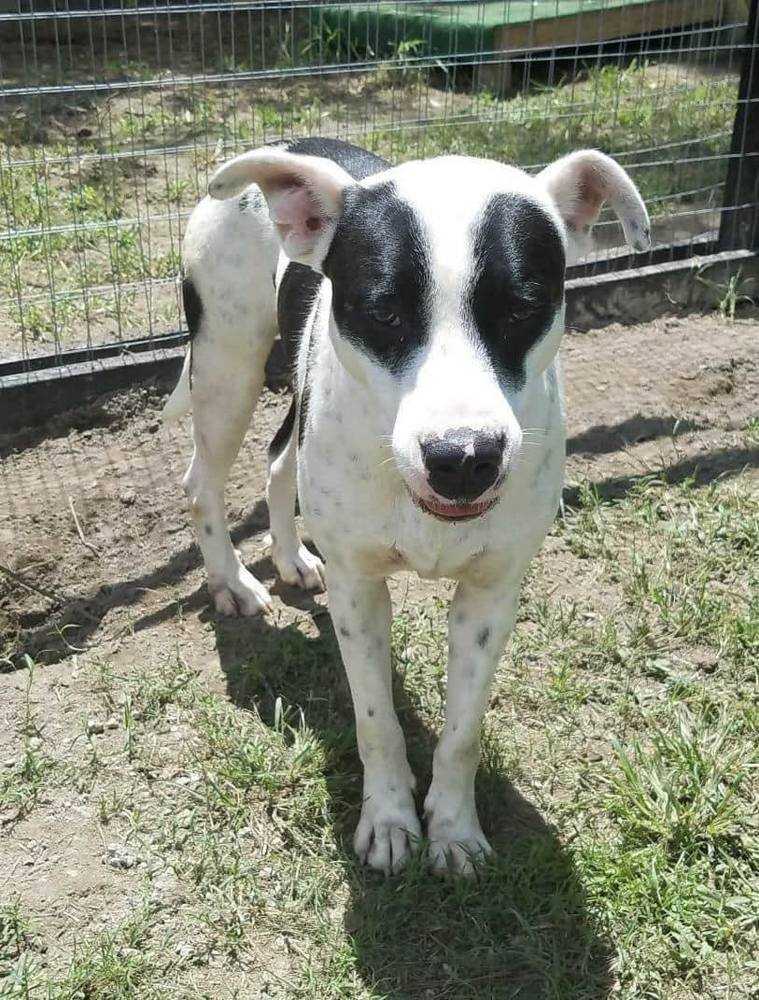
point(112, 114)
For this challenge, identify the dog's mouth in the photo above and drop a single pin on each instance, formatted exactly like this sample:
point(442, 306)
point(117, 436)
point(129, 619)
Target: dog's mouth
point(454, 511)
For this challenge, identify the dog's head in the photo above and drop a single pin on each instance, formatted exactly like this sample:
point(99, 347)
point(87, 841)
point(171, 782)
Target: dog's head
point(447, 293)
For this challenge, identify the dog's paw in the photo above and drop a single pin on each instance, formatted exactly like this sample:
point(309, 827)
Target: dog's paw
point(299, 568)
point(388, 831)
point(456, 841)
point(460, 854)
point(242, 595)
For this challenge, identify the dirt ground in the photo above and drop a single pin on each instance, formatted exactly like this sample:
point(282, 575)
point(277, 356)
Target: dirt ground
point(664, 396)
point(98, 558)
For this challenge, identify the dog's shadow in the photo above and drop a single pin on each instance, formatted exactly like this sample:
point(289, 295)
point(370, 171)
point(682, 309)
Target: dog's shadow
point(521, 928)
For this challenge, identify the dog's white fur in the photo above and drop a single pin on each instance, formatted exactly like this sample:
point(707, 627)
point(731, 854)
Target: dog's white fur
point(361, 451)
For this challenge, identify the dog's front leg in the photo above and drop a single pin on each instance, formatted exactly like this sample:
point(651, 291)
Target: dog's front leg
point(479, 623)
point(389, 825)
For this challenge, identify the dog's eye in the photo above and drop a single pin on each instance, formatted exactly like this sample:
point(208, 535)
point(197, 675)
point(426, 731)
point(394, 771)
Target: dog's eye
point(385, 317)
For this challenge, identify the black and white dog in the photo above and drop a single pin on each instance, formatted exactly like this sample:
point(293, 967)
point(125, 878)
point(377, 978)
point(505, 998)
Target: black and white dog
point(422, 307)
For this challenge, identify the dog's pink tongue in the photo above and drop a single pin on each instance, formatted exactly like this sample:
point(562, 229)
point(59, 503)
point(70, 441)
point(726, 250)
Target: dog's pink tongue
point(454, 511)
point(458, 511)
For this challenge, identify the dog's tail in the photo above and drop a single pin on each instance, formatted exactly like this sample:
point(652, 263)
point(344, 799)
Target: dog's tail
point(179, 402)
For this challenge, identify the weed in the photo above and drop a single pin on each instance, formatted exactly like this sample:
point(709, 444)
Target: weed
point(731, 294)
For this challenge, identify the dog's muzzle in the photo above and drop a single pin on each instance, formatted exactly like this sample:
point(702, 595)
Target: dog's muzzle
point(461, 466)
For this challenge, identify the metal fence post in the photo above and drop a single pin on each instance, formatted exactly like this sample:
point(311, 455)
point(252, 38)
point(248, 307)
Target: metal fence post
point(739, 226)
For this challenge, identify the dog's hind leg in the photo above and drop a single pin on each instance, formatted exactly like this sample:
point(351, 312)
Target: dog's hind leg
point(230, 256)
point(224, 394)
point(295, 564)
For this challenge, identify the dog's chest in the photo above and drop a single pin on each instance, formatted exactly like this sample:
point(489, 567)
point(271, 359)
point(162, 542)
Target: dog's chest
point(356, 508)
point(357, 511)
point(379, 530)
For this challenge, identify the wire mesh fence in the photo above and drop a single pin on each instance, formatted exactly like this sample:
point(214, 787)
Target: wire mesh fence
point(113, 113)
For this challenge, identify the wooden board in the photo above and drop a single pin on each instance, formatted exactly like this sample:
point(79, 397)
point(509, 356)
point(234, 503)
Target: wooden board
point(458, 30)
point(590, 24)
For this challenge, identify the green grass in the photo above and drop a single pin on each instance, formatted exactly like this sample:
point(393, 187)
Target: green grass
point(618, 786)
point(75, 183)
point(22, 781)
point(617, 110)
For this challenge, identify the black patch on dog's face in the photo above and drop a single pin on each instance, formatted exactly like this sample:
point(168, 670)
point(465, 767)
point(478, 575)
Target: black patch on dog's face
point(193, 306)
point(379, 267)
point(518, 281)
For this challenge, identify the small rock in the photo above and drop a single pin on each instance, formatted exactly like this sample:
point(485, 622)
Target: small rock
point(94, 726)
point(192, 778)
point(119, 856)
point(706, 660)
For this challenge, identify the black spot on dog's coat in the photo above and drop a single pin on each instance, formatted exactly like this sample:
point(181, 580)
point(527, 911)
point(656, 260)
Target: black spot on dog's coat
point(518, 284)
point(297, 291)
point(305, 399)
point(193, 306)
point(250, 199)
point(282, 436)
point(193, 311)
point(295, 300)
point(357, 162)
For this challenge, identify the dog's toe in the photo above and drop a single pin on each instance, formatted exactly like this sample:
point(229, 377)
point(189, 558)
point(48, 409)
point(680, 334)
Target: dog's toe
point(299, 569)
point(243, 595)
point(387, 849)
point(387, 834)
point(457, 844)
point(458, 854)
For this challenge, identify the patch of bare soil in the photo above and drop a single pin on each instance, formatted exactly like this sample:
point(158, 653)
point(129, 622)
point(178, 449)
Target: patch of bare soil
point(102, 564)
point(94, 525)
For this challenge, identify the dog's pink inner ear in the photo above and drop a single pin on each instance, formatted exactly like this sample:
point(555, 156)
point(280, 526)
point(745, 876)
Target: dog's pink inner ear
point(581, 183)
point(296, 212)
point(591, 193)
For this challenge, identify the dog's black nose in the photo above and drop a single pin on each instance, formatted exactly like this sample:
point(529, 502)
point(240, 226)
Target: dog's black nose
point(463, 464)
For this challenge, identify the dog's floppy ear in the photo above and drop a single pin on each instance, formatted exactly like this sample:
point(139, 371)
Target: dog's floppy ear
point(581, 183)
point(304, 194)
